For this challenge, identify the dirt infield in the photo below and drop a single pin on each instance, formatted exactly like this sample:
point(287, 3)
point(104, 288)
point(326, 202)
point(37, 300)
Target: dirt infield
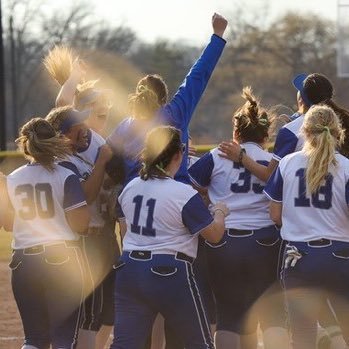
point(11, 333)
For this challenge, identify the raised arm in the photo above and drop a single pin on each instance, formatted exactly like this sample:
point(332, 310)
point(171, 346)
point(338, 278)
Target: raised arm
point(67, 92)
point(181, 107)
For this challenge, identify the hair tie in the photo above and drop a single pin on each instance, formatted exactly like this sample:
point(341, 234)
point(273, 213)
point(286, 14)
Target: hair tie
point(160, 168)
point(326, 129)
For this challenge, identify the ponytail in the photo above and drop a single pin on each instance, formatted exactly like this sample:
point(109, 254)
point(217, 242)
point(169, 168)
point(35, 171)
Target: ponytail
point(144, 103)
point(39, 142)
point(161, 144)
point(323, 134)
point(251, 122)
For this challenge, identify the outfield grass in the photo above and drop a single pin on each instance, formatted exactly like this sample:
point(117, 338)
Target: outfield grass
point(5, 245)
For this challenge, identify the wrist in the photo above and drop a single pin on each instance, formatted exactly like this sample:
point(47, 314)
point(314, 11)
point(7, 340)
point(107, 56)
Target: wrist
point(241, 155)
point(220, 211)
point(219, 33)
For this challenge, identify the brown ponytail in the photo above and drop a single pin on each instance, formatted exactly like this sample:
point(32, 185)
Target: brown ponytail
point(161, 144)
point(151, 93)
point(40, 142)
point(251, 122)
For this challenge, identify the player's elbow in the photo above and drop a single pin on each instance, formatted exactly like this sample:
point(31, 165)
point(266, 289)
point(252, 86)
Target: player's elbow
point(213, 233)
point(79, 219)
point(275, 212)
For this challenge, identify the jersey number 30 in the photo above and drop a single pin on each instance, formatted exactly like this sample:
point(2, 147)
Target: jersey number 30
point(36, 201)
point(148, 229)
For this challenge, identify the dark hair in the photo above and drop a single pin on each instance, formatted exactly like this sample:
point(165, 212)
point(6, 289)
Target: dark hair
point(39, 141)
point(58, 115)
point(151, 93)
point(319, 90)
point(251, 122)
point(161, 144)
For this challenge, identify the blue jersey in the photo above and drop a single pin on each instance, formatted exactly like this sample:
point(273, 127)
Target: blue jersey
point(306, 217)
point(163, 216)
point(228, 182)
point(129, 136)
point(289, 139)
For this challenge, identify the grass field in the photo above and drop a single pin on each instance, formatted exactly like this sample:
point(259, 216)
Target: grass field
point(5, 245)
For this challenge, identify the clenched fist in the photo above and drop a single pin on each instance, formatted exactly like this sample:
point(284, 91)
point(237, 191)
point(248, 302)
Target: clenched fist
point(219, 24)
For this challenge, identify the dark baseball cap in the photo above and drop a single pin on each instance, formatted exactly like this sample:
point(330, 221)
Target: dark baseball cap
point(73, 117)
point(298, 83)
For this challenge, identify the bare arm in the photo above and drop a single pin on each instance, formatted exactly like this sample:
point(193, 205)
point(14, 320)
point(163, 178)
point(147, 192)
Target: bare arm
point(67, 92)
point(79, 219)
point(231, 151)
point(275, 211)
point(214, 232)
point(7, 212)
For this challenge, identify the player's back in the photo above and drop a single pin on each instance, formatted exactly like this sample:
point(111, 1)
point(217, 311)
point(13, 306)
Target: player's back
point(233, 184)
point(40, 199)
point(324, 214)
point(154, 215)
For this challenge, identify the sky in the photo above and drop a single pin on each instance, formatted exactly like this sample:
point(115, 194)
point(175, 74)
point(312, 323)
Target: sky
point(189, 20)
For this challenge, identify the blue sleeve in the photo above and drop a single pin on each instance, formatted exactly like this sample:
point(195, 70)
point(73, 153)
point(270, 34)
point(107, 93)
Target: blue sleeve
point(73, 194)
point(70, 166)
point(285, 143)
point(195, 215)
point(274, 186)
point(347, 193)
point(115, 139)
point(201, 171)
point(181, 108)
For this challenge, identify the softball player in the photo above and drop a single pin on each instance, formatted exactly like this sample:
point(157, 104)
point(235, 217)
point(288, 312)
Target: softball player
point(150, 107)
point(71, 123)
point(312, 89)
point(84, 95)
point(49, 211)
point(309, 193)
point(243, 265)
point(164, 218)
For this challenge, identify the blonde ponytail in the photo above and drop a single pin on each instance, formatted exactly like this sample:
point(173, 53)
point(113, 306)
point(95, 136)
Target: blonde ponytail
point(323, 134)
point(59, 63)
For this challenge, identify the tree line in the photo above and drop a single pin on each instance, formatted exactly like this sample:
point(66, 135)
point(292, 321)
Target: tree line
point(263, 54)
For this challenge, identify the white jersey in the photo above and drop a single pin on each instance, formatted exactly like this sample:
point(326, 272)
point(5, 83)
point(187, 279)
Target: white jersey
point(94, 143)
point(228, 182)
point(163, 216)
point(308, 217)
point(289, 139)
point(83, 170)
point(40, 199)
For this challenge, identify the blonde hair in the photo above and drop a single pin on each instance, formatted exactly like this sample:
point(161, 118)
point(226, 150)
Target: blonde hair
point(251, 121)
point(59, 63)
point(40, 142)
point(323, 135)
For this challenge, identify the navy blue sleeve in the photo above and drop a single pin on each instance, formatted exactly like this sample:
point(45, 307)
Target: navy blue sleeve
point(70, 166)
point(274, 186)
point(285, 143)
point(201, 171)
point(73, 194)
point(181, 107)
point(195, 215)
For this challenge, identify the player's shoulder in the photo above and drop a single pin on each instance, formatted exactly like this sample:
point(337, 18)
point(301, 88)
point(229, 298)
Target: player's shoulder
point(18, 171)
point(256, 151)
point(294, 159)
point(97, 138)
point(293, 126)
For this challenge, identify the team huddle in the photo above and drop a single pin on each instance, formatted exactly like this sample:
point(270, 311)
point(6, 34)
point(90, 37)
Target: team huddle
point(237, 242)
